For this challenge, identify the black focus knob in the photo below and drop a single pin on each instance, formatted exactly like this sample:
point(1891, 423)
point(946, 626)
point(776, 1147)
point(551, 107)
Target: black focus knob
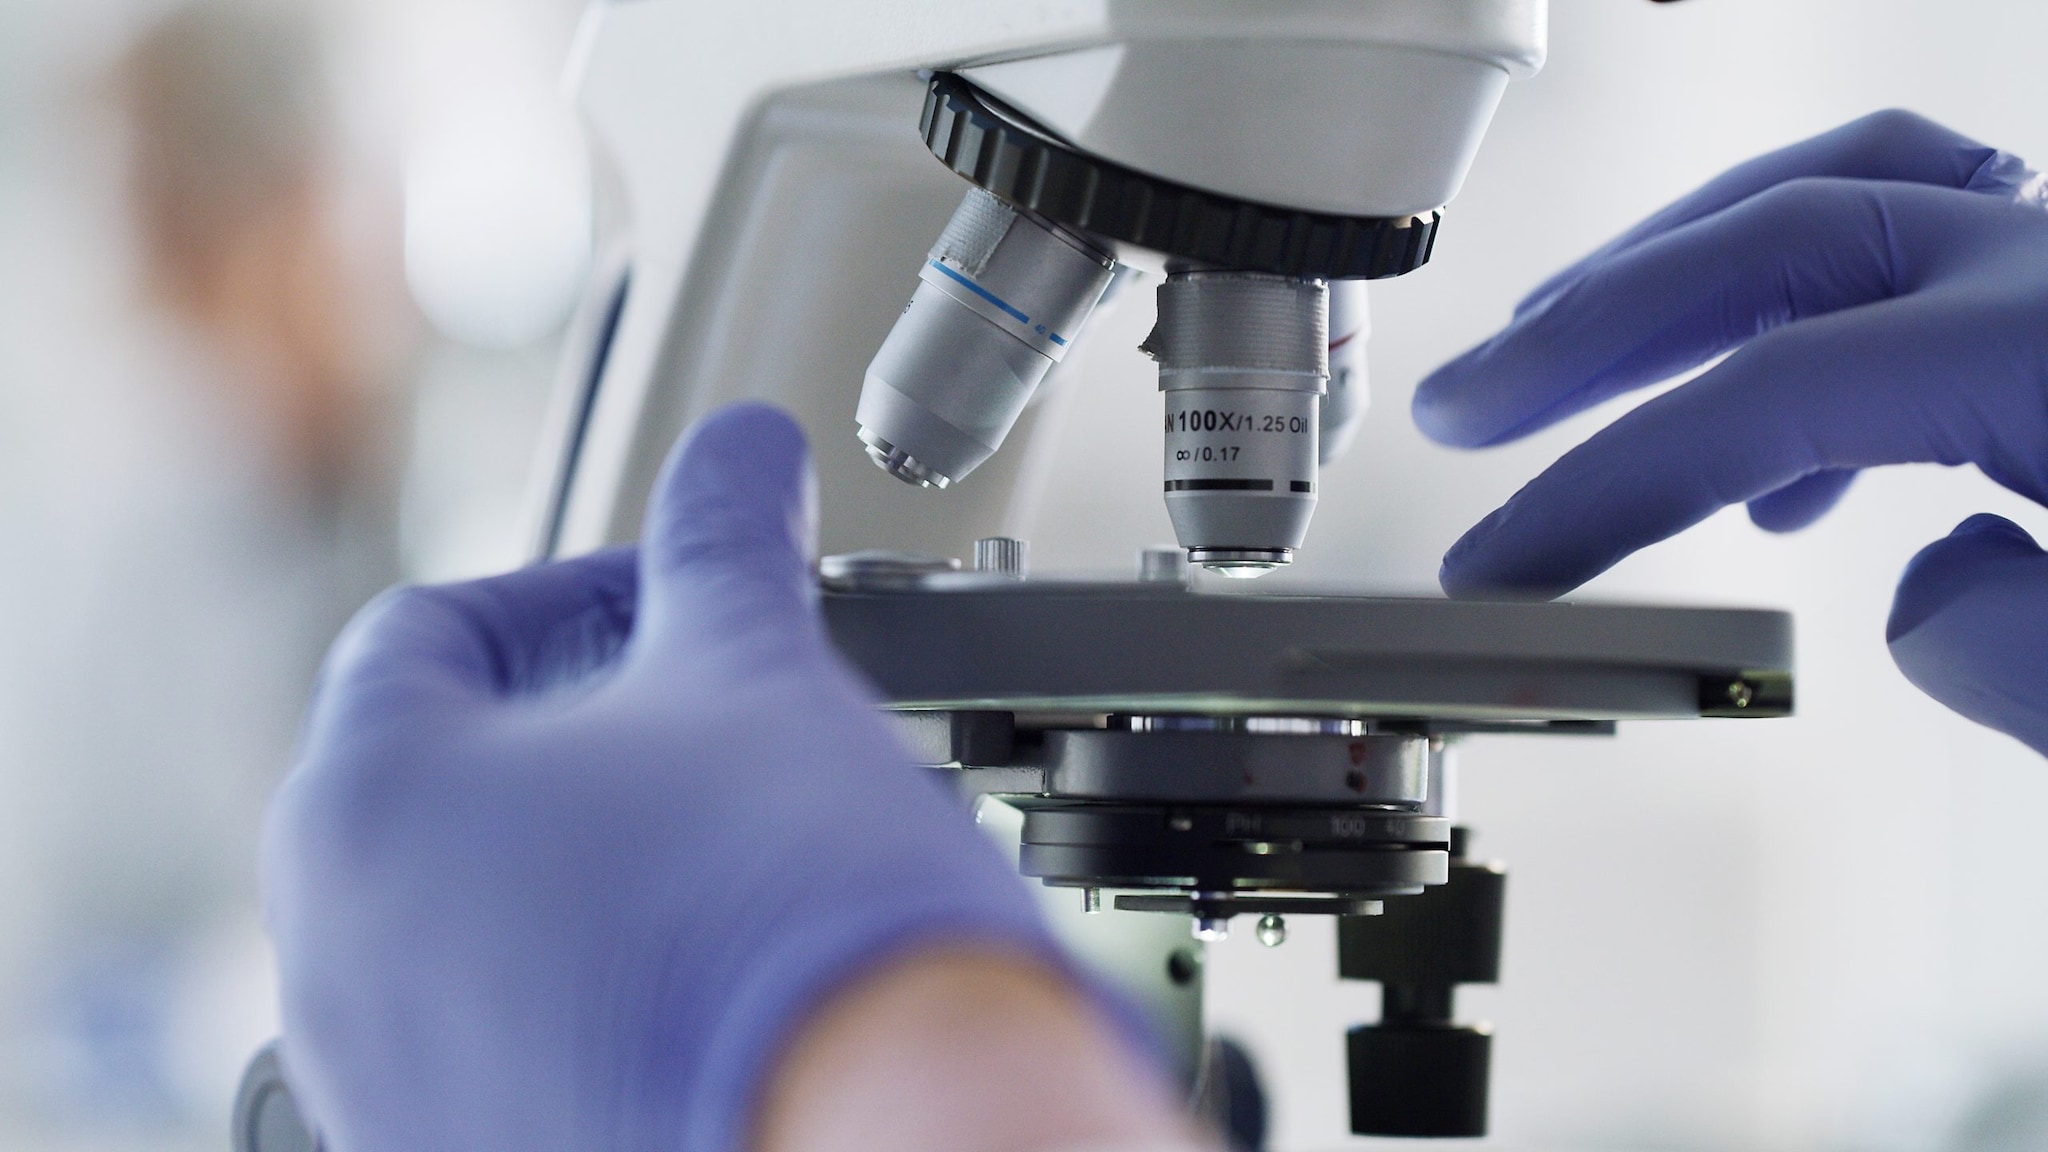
point(1418, 1079)
point(1450, 934)
point(1417, 1072)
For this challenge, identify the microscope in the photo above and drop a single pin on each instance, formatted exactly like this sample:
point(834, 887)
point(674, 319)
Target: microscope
point(1167, 753)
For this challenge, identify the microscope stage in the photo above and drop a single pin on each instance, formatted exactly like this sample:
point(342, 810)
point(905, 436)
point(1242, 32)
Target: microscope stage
point(973, 642)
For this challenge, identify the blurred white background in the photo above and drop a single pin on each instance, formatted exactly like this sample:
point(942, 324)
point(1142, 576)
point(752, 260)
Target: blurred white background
point(1816, 935)
point(224, 423)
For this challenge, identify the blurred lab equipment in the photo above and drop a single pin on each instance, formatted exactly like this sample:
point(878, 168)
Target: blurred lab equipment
point(200, 362)
point(235, 190)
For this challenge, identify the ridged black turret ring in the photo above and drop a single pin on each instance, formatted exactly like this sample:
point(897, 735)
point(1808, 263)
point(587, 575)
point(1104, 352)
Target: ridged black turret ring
point(998, 149)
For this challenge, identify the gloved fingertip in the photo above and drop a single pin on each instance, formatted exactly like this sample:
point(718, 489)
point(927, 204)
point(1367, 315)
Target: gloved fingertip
point(1986, 524)
point(1430, 411)
point(1447, 578)
point(1458, 585)
point(1499, 390)
point(1951, 567)
point(1471, 570)
point(1447, 409)
point(1800, 503)
point(1544, 294)
point(1774, 520)
point(1456, 574)
point(1969, 623)
point(737, 495)
point(1466, 586)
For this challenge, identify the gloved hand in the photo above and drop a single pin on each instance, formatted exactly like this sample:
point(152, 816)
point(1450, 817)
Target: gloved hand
point(1884, 288)
point(568, 853)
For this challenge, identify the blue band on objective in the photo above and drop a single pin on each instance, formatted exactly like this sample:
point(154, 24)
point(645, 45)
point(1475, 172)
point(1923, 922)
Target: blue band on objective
point(996, 300)
point(984, 293)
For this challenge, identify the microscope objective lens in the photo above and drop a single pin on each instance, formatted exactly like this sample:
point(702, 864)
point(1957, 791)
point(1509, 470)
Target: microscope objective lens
point(1243, 367)
point(1001, 297)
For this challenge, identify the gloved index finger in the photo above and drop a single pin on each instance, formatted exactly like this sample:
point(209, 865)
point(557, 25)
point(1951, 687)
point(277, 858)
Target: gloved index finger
point(1802, 249)
point(1894, 382)
point(1892, 145)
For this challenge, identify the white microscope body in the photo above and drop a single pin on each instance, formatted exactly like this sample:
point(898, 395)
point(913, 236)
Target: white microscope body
point(767, 201)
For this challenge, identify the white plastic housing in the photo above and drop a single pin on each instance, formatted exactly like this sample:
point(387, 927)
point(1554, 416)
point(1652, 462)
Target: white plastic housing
point(706, 116)
point(1358, 129)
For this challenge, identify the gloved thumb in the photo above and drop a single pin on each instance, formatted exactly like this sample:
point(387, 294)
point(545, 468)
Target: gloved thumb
point(727, 545)
point(1969, 626)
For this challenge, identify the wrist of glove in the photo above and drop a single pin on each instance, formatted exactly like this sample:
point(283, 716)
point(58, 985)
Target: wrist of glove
point(568, 854)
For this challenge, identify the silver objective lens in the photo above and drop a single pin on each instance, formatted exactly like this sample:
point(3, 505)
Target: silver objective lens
point(1350, 393)
point(1002, 296)
point(1244, 364)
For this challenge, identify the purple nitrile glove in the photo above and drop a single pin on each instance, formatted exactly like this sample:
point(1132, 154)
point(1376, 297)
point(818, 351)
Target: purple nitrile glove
point(1884, 291)
point(569, 853)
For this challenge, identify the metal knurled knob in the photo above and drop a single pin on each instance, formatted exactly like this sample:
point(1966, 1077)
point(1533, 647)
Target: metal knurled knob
point(998, 149)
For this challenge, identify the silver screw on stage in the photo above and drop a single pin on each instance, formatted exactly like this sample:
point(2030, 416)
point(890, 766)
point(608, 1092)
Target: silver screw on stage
point(1163, 566)
point(1007, 555)
point(1272, 930)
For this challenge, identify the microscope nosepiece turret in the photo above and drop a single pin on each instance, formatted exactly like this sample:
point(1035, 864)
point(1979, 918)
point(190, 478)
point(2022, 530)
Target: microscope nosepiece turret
point(1001, 298)
point(1243, 340)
